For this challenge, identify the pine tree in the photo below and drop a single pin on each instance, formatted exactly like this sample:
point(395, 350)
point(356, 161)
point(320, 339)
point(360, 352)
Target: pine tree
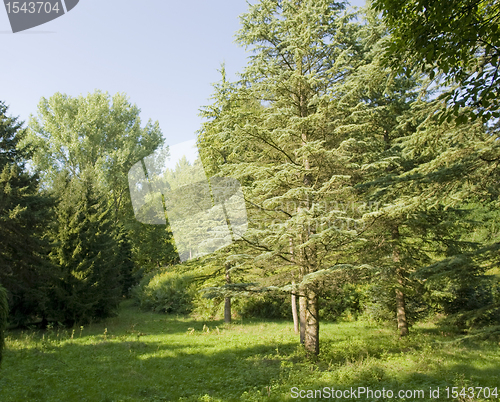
point(152, 247)
point(456, 169)
point(274, 134)
point(373, 100)
point(85, 252)
point(24, 269)
point(124, 261)
point(408, 167)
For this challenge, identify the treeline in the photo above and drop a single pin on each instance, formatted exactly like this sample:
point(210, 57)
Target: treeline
point(70, 245)
point(367, 152)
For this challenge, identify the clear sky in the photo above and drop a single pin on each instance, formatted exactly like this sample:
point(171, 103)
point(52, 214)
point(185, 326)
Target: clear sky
point(163, 54)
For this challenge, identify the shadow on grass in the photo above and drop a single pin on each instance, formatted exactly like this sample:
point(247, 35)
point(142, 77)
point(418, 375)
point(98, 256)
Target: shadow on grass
point(137, 371)
point(154, 357)
point(135, 321)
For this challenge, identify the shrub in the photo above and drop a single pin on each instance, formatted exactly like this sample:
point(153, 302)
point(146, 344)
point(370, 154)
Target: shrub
point(345, 301)
point(267, 306)
point(209, 309)
point(165, 291)
point(475, 306)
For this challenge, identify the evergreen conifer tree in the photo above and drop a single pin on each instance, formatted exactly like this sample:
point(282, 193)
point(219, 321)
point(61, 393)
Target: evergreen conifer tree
point(124, 260)
point(416, 175)
point(274, 134)
point(24, 269)
point(85, 253)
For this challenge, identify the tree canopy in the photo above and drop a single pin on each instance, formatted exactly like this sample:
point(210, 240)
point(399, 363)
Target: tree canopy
point(457, 41)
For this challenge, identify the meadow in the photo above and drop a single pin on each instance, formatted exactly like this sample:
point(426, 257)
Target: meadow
point(142, 356)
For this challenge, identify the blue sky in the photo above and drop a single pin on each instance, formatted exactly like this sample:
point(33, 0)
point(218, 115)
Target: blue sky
point(163, 54)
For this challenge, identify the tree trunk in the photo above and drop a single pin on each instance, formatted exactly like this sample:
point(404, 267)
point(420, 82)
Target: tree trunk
point(227, 310)
point(401, 309)
point(302, 313)
point(311, 342)
point(294, 311)
point(400, 296)
point(294, 297)
point(309, 323)
point(227, 300)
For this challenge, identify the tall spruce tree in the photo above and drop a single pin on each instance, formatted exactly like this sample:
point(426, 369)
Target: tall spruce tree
point(373, 100)
point(24, 269)
point(85, 252)
point(415, 225)
point(457, 45)
point(457, 168)
point(417, 175)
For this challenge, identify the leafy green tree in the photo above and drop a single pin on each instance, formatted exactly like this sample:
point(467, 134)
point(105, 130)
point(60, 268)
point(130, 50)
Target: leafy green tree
point(458, 40)
point(97, 132)
point(101, 134)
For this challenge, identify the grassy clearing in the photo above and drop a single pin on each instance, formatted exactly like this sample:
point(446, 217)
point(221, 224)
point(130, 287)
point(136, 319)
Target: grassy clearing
point(141, 356)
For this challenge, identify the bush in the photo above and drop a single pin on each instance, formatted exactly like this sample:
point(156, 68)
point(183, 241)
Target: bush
point(346, 301)
point(166, 291)
point(267, 306)
point(209, 309)
point(475, 306)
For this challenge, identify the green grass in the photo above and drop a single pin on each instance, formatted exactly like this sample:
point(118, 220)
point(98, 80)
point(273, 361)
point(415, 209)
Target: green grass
point(141, 356)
